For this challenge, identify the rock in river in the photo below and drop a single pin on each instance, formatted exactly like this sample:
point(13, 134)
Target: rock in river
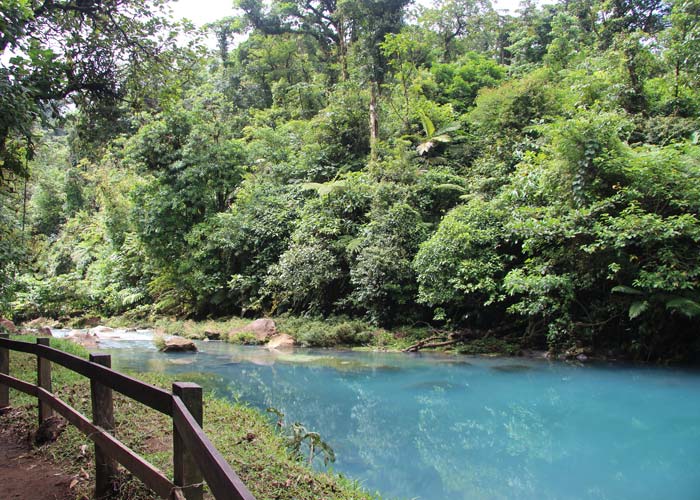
point(89, 322)
point(83, 338)
point(44, 331)
point(209, 335)
point(178, 344)
point(281, 341)
point(262, 328)
point(101, 330)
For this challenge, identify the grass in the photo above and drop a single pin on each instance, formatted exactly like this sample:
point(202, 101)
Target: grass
point(159, 341)
point(246, 438)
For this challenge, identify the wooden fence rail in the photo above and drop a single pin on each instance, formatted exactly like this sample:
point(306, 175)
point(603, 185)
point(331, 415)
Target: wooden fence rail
point(194, 456)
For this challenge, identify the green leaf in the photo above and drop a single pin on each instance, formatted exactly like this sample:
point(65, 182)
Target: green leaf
point(428, 125)
point(451, 187)
point(626, 289)
point(442, 138)
point(324, 188)
point(638, 308)
point(687, 307)
point(451, 127)
point(354, 244)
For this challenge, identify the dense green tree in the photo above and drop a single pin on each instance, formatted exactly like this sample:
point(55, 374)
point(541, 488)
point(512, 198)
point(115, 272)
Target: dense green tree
point(461, 21)
point(237, 247)
point(683, 41)
point(531, 175)
point(64, 49)
point(627, 16)
point(373, 20)
point(460, 82)
point(321, 20)
point(461, 267)
point(383, 280)
point(530, 35)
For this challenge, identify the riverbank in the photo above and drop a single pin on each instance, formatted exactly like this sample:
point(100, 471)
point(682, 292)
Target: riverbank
point(249, 441)
point(333, 332)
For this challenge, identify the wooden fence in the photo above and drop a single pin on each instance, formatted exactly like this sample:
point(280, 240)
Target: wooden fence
point(194, 457)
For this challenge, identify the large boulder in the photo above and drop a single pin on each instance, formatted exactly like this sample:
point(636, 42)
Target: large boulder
point(7, 325)
point(101, 330)
point(44, 331)
point(88, 321)
point(83, 338)
point(262, 328)
point(178, 344)
point(210, 335)
point(281, 341)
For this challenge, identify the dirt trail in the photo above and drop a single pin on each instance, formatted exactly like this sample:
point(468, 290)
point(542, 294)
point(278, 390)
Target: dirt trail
point(26, 476)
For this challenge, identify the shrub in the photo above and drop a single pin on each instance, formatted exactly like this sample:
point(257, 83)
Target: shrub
point(460, 268)
point(159, 341)
point(244, 338)
point(326, 333)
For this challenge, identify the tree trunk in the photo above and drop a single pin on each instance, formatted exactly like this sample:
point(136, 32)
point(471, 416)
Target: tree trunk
point(343, 51)
point(373, 121)
point(676, 86)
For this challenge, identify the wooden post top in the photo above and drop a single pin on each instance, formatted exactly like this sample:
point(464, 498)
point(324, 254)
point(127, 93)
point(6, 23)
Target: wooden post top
point(102, 359)
point(185, 386)
point(191, 395)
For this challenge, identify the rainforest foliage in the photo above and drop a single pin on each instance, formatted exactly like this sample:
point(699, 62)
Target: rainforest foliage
point(535, 173)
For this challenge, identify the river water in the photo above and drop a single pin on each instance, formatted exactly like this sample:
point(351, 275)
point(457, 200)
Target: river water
point(441, 427)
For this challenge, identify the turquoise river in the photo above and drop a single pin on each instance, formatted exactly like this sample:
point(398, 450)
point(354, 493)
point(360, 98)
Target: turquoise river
point(442, 427)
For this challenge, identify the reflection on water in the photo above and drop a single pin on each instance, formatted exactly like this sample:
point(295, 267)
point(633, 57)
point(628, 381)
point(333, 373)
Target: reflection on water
point(437, 427)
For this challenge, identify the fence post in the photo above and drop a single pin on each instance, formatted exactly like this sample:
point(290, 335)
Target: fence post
point(103, 416)
point(185, 470)
point(4, 369)
point(44, 380)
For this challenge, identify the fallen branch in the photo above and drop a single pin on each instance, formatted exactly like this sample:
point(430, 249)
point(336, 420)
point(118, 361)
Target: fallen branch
point(421, 343)
point(451, 338)
point(437, 344)
point(448, 338)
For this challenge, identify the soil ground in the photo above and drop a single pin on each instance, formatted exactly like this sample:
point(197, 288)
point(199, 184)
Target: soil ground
point(24, 475)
